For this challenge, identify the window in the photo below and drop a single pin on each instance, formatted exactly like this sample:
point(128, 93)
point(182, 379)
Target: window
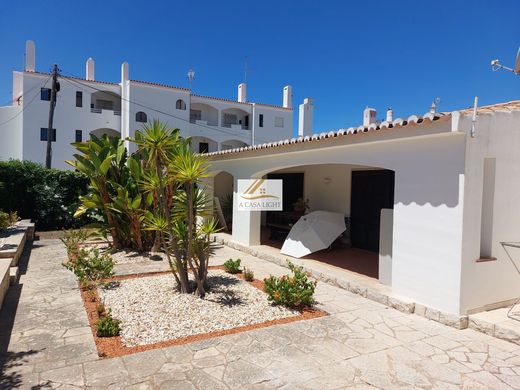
point(195, 115)
point(278, 121)
point(43, 134)
point(203, 147)
point(140, 117)
point(79, 99)
point(45, 94)
point(180, 105)
point(79, 135)
point(261, 120)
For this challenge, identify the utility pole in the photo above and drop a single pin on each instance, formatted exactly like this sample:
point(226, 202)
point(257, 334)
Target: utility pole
point(54, 90)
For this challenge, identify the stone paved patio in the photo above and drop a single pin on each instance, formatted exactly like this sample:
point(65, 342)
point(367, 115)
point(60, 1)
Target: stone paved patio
point(362, 344)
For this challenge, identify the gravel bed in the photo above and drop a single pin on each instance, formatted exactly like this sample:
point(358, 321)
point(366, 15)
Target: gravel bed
point(151, 311)
point(128, 256)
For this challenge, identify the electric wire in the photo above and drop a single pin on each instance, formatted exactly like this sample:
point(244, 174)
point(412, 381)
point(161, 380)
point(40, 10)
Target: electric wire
point(73, 80)
point(25, 105)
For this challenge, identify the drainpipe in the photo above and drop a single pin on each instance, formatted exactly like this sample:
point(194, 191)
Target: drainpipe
point(253, 122)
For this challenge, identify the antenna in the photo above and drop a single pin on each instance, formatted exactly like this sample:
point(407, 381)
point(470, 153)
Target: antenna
point(245, 70)
point(435, 105)
point(496, 65)
point(191, 76)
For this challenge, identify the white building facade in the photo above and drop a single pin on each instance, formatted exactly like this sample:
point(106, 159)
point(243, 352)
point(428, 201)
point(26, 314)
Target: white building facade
point(455, 198)
point(89, 106)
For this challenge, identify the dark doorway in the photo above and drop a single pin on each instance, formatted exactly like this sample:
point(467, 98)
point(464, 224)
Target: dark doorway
point(292, 190)
point(203, 147)
point(371, 192)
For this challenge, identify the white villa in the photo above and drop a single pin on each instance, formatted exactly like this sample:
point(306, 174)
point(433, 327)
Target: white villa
point(89, 106)
point(430, 199)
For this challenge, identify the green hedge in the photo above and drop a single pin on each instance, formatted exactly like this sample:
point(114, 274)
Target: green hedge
point(49, 197)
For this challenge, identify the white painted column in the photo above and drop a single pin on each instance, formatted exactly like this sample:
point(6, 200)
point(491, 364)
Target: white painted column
point(246, 224)
point(385, 246)
point(125, 104)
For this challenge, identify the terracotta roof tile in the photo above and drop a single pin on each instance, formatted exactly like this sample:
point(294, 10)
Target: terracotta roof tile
point(74, 78)
point(506, 106)
point(351, 131)
point(160, 85)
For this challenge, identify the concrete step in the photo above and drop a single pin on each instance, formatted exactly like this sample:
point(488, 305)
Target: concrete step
point(4, 278)
point(14, 272)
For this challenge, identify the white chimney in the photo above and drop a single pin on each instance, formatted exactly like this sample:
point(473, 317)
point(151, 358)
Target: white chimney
point(390, 115)
point(30, 56)
point(287, 96)
point(242, 93)
point(305, 117)
point(124, 71)
point(89, 71)
point(369, 116)
point(433, 108)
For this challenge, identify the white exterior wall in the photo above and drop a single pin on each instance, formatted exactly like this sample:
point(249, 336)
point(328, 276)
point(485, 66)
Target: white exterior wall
point(269, 132)
point(429, 188)
point(67, 119)
point(11, 132)
point(486, 283)
point(161, 100)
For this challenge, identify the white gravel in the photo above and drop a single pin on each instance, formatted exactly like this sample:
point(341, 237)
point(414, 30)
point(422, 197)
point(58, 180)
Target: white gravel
point(130, 257)
point(151, 311)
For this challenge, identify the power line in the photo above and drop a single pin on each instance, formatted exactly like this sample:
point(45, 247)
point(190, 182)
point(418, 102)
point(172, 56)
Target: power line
point(24, 107)
point(153, 109)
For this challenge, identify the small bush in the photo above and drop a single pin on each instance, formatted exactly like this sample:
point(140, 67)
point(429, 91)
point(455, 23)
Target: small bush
point(248, 274)
point(295, 291)
point(107, 326)
point(100, 309)
point(13, 217)
point(232, 266)
point(72, 239)
point(4, 221)
point(90, 266)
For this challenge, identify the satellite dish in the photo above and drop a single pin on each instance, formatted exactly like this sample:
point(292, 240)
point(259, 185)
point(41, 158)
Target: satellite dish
point(517, 62)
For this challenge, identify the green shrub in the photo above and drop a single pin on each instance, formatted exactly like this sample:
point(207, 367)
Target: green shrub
point(107, 326)
point(13, 217)
point(49, 197)
point(100, 309)
point(72, 239)
point(249, 275)
point(4, 220)
point(232, 266)
point(295, 291)
point(90, 266)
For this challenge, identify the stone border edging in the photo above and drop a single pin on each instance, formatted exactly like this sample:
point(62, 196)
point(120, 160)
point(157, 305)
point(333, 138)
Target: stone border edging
point(366, 291)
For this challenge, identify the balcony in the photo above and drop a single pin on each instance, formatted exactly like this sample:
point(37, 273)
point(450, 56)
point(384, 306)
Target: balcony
point(101, 110)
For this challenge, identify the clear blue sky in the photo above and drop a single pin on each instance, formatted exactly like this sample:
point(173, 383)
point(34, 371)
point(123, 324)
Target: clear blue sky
point(345, 55)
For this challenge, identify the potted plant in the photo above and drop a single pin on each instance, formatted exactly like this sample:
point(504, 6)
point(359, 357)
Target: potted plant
point(301, 206)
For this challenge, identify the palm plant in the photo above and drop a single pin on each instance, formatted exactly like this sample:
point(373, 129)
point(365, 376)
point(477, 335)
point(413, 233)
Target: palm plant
point(100, 159)
point(173, 177)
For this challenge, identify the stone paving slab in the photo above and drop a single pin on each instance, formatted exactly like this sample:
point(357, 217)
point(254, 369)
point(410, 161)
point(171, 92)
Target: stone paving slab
point(46, 343)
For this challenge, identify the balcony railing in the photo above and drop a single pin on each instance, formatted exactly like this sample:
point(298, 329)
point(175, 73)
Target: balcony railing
point(100, 111)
